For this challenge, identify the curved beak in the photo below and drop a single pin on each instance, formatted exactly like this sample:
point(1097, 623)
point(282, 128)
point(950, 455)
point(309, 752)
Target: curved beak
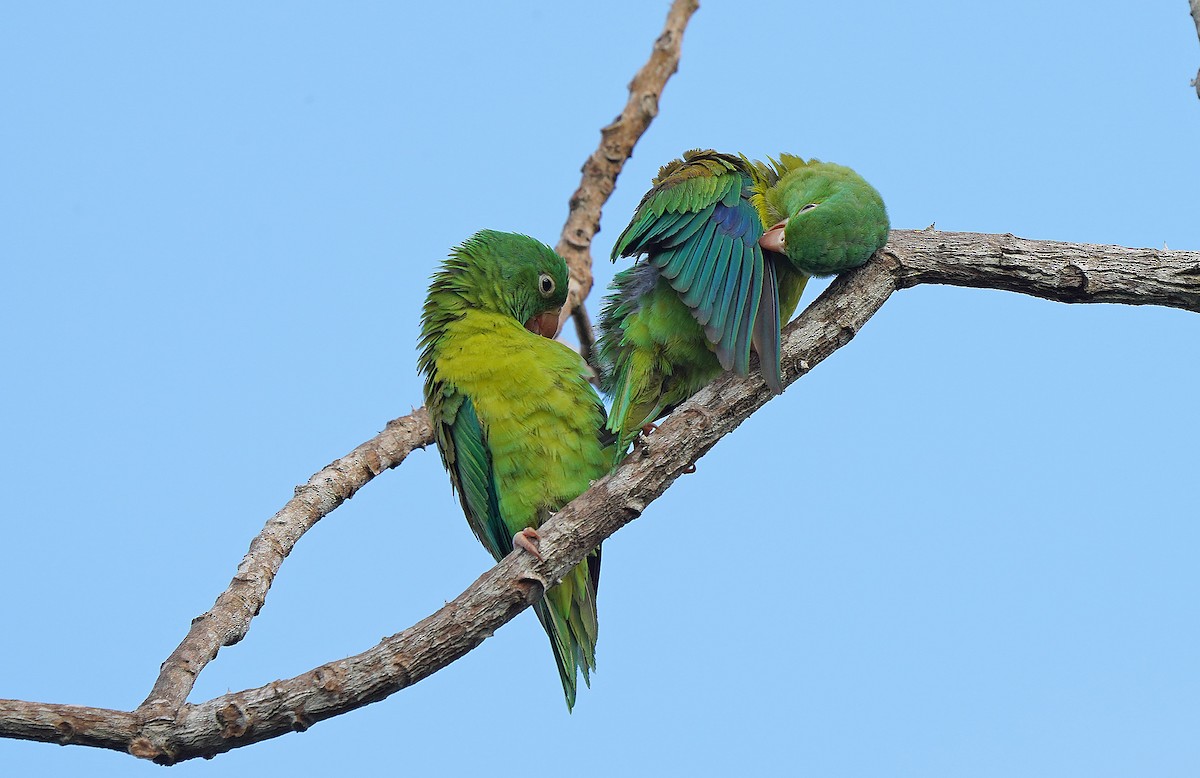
point(772, 239)
point(544, 324)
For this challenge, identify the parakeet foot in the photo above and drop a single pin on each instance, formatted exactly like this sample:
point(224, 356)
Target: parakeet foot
point(528, 540)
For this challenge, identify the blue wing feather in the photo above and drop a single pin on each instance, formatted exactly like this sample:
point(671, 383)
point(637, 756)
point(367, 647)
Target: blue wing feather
point(700, 229)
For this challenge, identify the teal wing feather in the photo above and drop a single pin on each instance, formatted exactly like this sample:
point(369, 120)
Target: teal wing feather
point(698, 227)
point(571, 626)
point(469, 462)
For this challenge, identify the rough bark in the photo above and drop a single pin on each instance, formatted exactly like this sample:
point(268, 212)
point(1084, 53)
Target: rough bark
point(1066, 272)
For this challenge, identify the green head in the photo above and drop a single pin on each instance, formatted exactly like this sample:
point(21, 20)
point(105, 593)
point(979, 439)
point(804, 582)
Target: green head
point(828, 218)
point(500, 272)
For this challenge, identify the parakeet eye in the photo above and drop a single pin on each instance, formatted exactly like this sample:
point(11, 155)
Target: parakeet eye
point(546, 284)
point(809, 207)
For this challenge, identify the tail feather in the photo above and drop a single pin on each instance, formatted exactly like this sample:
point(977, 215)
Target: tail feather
point(766, 329)
point(568, 614)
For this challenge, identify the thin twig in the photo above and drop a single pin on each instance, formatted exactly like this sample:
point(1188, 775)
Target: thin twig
point(601, 169)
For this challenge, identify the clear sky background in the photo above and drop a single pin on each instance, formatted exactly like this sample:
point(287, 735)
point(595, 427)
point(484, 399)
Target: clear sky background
point(964, 545)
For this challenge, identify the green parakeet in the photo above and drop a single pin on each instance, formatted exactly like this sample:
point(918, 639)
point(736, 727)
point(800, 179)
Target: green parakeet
point(520, 429)
point(728, 246)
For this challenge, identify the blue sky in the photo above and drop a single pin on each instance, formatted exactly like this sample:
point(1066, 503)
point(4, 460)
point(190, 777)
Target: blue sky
point(965, 545)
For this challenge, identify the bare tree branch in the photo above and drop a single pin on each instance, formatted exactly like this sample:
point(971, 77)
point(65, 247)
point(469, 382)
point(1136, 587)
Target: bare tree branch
point(229, 619)
point(1066, 272)
point(1195, 6)
point(601, 169)
point(68, 724)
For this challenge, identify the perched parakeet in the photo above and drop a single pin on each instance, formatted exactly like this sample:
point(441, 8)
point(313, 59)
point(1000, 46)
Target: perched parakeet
point(728, 246)
point(520, 429)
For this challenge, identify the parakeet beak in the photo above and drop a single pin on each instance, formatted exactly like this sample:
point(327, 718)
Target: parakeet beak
point(772, 239)
point(544, 324)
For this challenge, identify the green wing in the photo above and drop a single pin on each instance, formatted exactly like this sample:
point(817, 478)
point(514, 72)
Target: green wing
point(698, 227)
point(467, 458)
point(568, 610)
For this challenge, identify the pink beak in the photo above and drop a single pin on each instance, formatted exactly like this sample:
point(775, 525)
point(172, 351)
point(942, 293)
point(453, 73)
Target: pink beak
point(772, 239)
point(544, 324)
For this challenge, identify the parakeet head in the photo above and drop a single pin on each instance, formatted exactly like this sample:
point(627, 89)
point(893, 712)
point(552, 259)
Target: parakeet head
point(504, 273)
point(829, 218)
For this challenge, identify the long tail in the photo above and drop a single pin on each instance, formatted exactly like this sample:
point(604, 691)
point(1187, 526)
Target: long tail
point(568, 614)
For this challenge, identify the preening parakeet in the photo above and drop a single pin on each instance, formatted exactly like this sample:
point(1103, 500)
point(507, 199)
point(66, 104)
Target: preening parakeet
point(520, 429)
point(729, 245)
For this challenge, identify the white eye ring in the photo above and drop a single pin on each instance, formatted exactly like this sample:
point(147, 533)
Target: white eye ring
point(809, 207)
point(546, 284)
